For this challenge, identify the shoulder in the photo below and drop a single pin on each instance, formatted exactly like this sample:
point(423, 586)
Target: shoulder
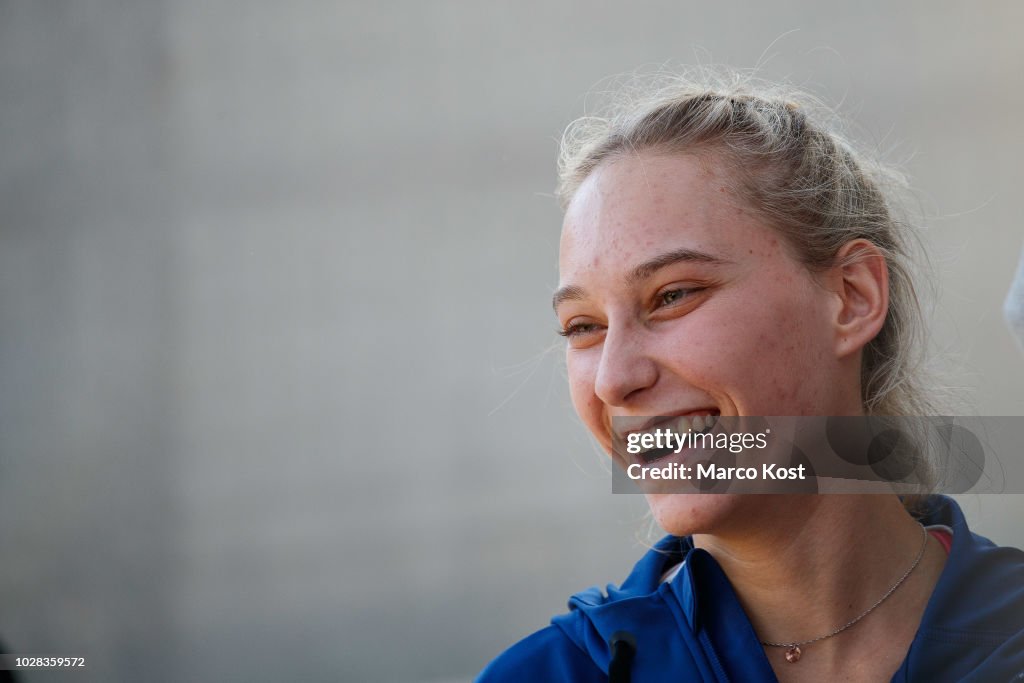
point(547, 655)
point(973, 626)
point(574, 647)
point(982, 586)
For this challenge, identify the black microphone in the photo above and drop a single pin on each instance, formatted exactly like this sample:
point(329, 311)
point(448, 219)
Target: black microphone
point(623, 646)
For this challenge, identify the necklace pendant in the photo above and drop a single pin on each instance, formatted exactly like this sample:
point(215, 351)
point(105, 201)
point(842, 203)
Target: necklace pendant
point(793, 654)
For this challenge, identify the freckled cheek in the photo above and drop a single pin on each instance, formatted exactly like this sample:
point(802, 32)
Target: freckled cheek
point(722, 344)
point(786, 357)
point(753, 355)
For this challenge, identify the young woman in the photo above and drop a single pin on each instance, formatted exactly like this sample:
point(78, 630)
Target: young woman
point(723, 254)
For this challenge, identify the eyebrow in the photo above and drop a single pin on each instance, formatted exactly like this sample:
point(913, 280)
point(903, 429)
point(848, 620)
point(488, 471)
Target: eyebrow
point(644, 271)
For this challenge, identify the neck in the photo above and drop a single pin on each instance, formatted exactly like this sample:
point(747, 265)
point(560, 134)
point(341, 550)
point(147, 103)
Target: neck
point(819, 562)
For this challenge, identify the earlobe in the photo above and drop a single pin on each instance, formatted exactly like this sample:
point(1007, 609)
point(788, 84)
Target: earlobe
point(862, 286)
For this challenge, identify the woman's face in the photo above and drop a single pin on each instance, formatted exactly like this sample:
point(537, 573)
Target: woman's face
point(676, 300)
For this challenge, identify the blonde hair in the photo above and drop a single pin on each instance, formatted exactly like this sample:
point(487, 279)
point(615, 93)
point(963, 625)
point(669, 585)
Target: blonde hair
point(805, 180)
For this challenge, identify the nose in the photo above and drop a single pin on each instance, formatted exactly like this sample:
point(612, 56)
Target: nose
point(625, 369)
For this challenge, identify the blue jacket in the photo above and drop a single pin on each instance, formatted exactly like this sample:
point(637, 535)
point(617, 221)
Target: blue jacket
point(693, 629)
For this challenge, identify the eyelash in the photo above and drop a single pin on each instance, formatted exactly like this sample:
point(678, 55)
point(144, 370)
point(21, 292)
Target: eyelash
point(684, 291)
point(577, 329)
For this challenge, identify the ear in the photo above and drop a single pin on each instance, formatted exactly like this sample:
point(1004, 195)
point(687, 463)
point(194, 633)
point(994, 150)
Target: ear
point(860, 279)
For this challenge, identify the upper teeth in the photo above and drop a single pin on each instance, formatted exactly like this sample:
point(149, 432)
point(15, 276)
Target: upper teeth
point(696, 423)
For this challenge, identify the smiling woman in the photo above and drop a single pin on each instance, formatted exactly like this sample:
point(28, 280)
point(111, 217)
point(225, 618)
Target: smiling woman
point(724, 255)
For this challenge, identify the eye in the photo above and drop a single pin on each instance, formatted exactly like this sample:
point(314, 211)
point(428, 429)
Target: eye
point(670, 297)
point(573, 330)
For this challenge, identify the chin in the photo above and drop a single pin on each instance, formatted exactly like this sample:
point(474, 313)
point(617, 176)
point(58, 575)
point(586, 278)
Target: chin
point(684, 514)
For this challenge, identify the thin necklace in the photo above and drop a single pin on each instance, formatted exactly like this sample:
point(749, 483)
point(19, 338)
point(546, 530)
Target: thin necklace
point(794, 651)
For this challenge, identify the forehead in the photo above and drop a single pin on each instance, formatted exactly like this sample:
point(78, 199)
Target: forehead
point(635, 206)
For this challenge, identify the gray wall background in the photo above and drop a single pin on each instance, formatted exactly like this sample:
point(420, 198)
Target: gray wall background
point(280, 396)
